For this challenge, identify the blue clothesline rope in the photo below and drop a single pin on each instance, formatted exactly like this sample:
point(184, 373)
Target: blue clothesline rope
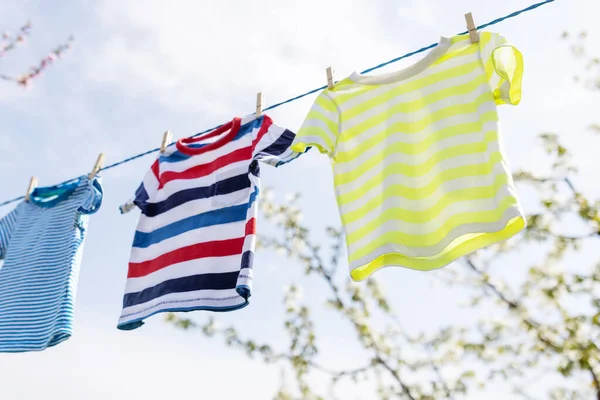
point(422, 49)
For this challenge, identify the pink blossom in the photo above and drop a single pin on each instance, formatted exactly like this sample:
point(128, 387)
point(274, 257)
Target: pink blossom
point(35, 71)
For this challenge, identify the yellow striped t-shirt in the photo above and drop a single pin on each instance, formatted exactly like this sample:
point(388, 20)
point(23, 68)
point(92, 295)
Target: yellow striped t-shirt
point(419, 171)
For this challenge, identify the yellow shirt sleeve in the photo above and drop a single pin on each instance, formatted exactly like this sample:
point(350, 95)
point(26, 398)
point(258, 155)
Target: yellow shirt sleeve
point(503, 66)
point(320, 128)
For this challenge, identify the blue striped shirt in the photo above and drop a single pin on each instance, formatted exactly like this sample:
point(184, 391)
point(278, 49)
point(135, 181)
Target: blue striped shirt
point(41, 242)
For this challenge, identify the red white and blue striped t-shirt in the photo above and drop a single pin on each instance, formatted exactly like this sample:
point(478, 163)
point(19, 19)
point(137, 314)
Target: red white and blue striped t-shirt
point(194, 244)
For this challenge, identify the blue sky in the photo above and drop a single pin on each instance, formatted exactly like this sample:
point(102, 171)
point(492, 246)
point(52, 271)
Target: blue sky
point(140, 67)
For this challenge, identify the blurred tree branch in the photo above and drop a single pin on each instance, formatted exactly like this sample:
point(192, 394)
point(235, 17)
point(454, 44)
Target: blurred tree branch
point(9, 42)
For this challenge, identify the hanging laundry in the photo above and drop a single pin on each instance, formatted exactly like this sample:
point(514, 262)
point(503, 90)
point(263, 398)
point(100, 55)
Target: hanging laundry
point(41, 242)
point(194, 244)
point(420, 176)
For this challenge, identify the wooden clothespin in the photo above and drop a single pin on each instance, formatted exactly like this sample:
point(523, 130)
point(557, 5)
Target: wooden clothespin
point(260, 101)
point(167, 139)
point(33, 182)
point(472, 28)
point(97, 166)
point(329, 72)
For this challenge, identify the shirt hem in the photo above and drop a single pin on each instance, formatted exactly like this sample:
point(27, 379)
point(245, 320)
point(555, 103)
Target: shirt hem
point(59, 336)
point(514, 226)
point(136, 323)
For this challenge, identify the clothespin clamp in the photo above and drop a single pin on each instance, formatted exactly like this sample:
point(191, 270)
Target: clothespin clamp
point(260, 101)
point(329, 72)
point(33, 182)
point(166, 141)
point(97, 166)
point(472, 28)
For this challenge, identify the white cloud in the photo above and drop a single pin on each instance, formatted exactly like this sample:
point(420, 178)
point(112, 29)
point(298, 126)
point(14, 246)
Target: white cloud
point(203, 57)
point(101, 363)
point(421, 12)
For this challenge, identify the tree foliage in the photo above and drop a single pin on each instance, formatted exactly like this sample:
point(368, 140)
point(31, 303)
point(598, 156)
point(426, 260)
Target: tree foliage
point(546, 325)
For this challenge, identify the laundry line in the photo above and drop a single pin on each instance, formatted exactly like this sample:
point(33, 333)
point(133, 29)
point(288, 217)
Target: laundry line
point(290, 100)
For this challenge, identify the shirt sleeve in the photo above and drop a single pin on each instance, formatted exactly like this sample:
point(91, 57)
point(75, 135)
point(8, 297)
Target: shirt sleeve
point(7, 226)
point(272, 144)
point(94, 196)
point(503, 66)
point(145, 191)
point(320, 127)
